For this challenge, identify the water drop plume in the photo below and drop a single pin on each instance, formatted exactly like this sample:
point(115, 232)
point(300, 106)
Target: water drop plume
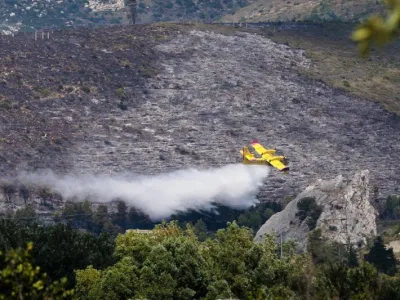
point(160, 196)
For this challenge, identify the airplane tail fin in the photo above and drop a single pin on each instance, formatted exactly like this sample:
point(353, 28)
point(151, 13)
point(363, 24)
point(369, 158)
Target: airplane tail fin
point(245, 154)
point(245, 151)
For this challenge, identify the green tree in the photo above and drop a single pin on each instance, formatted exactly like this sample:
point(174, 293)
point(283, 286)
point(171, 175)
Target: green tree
point(59, 249)
point(117, 282)
point(324, 251)
point(362, 282)
point(200, 230)
point(249, 269)
point(137, 219)
point(337, 281)
point(192, 268)
point(19, 279)
point(227, 253)
point(352, 258)
point(26, 214)
point(170, 262)
point(121, 215)
point(158, 276)
point(85, 281)
point(390, 289)
point(169, 259)
point(103, 222)
point(392, 207)
point(251, 219)
point(79, 214)
point(383, 259)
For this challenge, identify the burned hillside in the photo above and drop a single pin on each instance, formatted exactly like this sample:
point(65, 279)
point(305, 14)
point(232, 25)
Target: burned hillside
point(150, 99)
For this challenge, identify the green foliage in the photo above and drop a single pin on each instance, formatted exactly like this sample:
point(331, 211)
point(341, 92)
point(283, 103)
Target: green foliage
point(157, 276)
point(324, 252)
point(200, 229)
point(85, 280)
point(392, 209)
point(352, 260)
point(309, 210)
point(80, 215)
point(122, 215)
point(116, 282)
point(19, 279)
point(103, 222)
point(338, 281)
point(26, 214)
point(168, 262)
point(383, 259)
point(390, 288)
point(59, 249)
point(377, 30)
point(257, 215)
point(222, 215)
point(171, 263)
point(251, 219)
point(121, 93)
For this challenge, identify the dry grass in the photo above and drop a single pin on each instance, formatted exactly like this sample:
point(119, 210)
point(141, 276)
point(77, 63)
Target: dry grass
point(336, 62)
point(164, 26)
point(390, 230)
point(300, 10)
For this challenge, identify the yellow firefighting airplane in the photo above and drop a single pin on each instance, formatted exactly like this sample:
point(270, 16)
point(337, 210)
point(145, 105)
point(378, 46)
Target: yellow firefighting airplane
point(267, 157)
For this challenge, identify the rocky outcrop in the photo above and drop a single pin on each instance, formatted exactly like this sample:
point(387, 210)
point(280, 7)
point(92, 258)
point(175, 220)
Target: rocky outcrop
point(109, 5)
point(347, 215)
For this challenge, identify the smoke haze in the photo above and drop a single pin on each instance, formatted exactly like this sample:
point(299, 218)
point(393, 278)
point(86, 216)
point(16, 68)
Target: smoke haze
point(160, 196)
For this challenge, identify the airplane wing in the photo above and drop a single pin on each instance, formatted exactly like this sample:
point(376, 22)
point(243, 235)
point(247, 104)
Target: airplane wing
point(260, 149)
point(279, 165)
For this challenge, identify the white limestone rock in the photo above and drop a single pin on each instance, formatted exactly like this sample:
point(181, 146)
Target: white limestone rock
point(347, 215)
point(111, 5)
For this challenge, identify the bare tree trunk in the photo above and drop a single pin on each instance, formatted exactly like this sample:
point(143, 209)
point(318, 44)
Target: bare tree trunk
point(131, 4)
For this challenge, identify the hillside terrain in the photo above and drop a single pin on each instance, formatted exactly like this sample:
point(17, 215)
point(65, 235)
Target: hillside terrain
point(337, 64)
point(150, 99)
point(305, 10)
point(28, 15)
point(176, 10)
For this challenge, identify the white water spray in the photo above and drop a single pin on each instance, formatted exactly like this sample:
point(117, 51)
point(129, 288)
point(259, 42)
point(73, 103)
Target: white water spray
point(162, 195)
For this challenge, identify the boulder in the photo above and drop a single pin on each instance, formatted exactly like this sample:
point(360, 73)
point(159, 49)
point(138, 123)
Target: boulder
point(346, 214)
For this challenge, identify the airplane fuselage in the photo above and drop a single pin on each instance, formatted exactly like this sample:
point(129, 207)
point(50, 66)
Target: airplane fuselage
point(267, 157)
